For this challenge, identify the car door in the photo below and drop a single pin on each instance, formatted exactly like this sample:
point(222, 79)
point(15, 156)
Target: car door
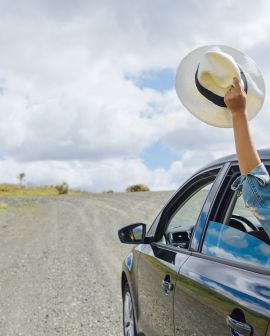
point(161, 260)
point(224, 287)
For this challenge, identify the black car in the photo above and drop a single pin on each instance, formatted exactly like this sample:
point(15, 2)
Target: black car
point(203, 267)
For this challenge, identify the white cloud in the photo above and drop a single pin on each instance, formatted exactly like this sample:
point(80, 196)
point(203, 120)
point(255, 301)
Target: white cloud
point(221, 253)
point(67, 109)
point(99, 175)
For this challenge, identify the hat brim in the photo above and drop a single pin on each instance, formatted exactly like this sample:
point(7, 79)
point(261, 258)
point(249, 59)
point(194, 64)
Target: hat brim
point(204, 109)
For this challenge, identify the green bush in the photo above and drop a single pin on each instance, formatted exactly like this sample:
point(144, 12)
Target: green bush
point(137, 187)
point(62, 188)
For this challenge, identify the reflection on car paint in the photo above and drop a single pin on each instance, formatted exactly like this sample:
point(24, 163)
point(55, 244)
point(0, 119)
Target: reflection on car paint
point(237, 296)
point(129, 261)
point(157, 263)
point(211, 291)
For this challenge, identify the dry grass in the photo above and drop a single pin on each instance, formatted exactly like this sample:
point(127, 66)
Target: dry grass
point(3, 206)
point(26, 209)
point(17, 190)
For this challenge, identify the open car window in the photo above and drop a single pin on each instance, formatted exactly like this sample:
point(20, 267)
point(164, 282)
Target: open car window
point(239, 237)
point(243, 218)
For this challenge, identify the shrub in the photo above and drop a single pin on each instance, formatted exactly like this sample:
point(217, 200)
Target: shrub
point(62, 188)
point(137, 187)
point(110, 191)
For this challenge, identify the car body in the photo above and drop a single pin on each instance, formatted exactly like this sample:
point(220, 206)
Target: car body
point(203, 267)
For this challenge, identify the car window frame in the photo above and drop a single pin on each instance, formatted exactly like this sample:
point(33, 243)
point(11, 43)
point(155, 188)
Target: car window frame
point(184, 193)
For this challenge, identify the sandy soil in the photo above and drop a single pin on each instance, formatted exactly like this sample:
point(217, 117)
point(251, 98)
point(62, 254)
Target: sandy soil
point(60, 261)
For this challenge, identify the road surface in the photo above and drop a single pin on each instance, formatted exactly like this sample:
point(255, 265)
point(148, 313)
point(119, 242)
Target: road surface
point(60, 261)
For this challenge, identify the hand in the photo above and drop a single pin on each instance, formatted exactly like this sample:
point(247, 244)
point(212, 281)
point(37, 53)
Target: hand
point(235, 98)
point(248, 157)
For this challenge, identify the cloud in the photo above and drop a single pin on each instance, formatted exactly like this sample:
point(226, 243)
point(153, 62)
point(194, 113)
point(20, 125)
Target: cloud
point(235, 238)
point(69, 108)
point(222, 253)
point(264, 249)
point(99, 175)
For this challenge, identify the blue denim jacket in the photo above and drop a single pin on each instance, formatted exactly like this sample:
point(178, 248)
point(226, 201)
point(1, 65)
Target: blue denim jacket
point(255, 188)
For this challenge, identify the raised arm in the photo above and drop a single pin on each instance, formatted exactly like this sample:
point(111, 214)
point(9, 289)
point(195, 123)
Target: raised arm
point(247, 154)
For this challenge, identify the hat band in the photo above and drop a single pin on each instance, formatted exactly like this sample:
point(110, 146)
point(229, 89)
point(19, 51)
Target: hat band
point(214, 98)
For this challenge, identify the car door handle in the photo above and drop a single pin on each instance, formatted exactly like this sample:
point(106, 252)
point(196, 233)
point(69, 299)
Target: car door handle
point(167, 285)
point(241, 328)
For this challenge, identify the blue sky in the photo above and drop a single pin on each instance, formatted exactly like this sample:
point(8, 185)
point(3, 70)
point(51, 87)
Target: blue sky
point(89, 89)
point(157, 155)
point(159, 80)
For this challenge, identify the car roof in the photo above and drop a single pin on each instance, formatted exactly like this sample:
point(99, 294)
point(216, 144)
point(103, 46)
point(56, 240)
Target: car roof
point(263, 153)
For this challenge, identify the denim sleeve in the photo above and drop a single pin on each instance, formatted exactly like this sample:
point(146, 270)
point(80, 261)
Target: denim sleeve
point(255, 188)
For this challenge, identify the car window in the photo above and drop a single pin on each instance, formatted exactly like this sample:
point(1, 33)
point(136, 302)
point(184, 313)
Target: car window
point(183, 220)
point(240, 238)
point(227, 242)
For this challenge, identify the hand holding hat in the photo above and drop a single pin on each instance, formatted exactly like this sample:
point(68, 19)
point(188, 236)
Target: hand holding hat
point(205, 76)
point(235, 98)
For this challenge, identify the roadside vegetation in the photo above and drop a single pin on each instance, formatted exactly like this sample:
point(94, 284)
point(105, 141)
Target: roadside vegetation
point(21, 189)
point(137, 187)
point(62, 188)
point(3, 206)
point(26, 190)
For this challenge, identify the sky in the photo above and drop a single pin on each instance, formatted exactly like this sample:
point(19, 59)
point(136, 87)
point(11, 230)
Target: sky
point(87, 89)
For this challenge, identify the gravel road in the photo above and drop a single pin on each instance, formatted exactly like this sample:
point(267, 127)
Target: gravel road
point(60, 261)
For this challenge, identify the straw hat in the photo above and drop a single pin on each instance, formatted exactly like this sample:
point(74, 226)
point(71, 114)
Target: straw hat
point(205, 75)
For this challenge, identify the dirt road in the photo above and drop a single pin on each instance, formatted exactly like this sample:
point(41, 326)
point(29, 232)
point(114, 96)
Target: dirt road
point(60, 262)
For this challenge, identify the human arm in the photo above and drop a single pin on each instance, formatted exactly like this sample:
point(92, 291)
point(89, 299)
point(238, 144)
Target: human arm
point(247, 154)
point(254, 182)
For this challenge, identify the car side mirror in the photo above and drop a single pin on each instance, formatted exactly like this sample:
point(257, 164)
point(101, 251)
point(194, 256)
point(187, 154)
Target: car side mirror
point(132, 234)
